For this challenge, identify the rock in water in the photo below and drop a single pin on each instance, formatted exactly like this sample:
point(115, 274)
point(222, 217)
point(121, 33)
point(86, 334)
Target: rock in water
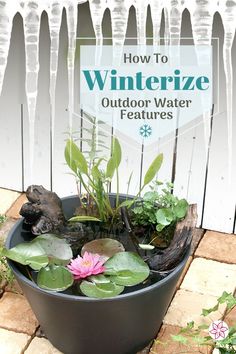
point(43, 211)
point(76, 234)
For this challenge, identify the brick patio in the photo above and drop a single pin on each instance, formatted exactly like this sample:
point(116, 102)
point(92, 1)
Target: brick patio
point(211, 269)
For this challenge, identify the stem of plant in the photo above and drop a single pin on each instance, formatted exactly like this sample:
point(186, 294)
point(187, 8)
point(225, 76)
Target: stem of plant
point(137, 196)
point(117, 188)
point(87, 189)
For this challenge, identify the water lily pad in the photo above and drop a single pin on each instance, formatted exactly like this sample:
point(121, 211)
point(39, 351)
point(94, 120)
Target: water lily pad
point(37, 262)
point(28, 253)
point(99, 279)
point(57, 249)
point(105, 247)
point(55, 278)
point(126, 268)
point(100, 290)
point(42, 250)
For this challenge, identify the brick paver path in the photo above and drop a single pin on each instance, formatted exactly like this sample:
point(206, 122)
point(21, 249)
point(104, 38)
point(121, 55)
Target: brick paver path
point(211, 269)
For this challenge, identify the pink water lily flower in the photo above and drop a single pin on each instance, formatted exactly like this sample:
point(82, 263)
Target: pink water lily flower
point(89, 264)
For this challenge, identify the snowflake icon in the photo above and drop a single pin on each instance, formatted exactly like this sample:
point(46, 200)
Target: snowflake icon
point(145, 130)
point(218, 330)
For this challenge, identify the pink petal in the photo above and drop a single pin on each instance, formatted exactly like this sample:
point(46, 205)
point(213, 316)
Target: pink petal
point(98, 271)
point(89, 264)
point(77, 277)
point(98, 265)
point(94, 257)
point(224, 329)
point(222, 334)
point(87, 256)
point(220, 325)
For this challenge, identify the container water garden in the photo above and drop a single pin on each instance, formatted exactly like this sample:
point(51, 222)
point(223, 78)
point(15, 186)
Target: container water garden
point(99, 269)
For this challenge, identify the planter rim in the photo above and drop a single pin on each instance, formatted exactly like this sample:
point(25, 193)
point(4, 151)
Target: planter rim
point(84, 298)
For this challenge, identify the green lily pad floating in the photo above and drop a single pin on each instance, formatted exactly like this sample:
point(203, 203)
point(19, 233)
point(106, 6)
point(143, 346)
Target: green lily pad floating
point(126, 268)
point(57, 249)
point(105, 247)
point(99, 279)
point(28, 253)
point(39, 252)
point(100, 290)
point(54, 278)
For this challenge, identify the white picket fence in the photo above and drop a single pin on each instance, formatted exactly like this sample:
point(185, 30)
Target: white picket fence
point(201, 176)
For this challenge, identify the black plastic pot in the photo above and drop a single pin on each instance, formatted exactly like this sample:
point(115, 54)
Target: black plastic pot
point(80, 325)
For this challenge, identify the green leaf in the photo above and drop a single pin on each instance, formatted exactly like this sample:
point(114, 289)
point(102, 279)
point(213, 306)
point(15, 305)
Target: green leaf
point(70, 162)
point(164, 216)
point(206, 312)
point(100, 279)
point(56, 248)
point(40, 251)
point(89, 117)
point(189, 328)
point(100, 290)
point(233, 341)
point(227, 298)
point(129, 181)
point(180, 210)
point(100, 160)
point(126, 268)
point(199, 340)
point(102, 146)
point(96, 173)
point(151, 197)
point(232, 330)
point(83, 218)
point(105, 247)
point(74, 158)
point(226, 351)
point(190, 324)
point(203, 326)
point(111, 167)
point(100, 132)
point(38, 262)
point(28, 253)
point(160, 227)
point(179, 338)
point(100, 142)
point(55, 278)
point(126, 203)
point(116, 152)
point(153, 169)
